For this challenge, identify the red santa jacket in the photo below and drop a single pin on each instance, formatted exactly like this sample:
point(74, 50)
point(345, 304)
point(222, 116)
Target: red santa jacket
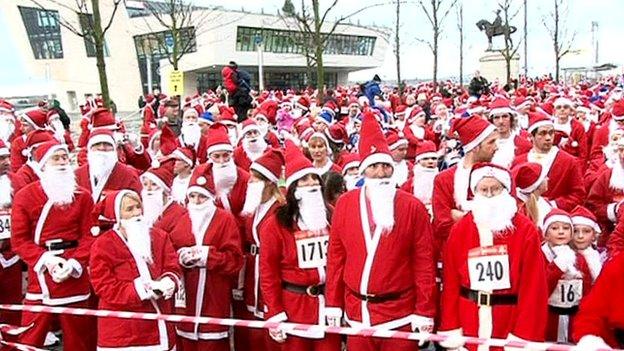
point(121, 177)
point(113, 272)
point(241, 159)
point(251, 244)
point(526, 274)
point(597, 314)
point(235, 200)
point(565, 179)
point(36, 221)
point(602, 201)
point(209, 289)
point(365, 261)
point(600, 139)
point(17, 157)
point(230, 79)
point(170, 217)
point(615, 242)
point(415, 135)
point(149, 117)
point(24, 176)
point(575, 139)
point(442, 202)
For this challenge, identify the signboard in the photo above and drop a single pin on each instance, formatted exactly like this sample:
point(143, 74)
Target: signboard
point(176, 83)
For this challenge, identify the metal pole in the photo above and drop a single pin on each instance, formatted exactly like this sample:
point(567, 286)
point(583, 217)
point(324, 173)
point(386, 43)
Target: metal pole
point(148, 64)
point(526, 55)
point(260, 66)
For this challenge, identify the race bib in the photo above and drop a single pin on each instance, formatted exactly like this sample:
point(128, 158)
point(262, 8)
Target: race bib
point(568, 293)
point(180, 296)
point(5, 224)
point(488, 268)
point(312, 248)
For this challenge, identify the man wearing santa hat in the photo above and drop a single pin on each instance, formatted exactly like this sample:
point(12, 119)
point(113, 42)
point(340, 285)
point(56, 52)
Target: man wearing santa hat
point(570, 134)
point(57, 128)
point(208, 243)
point(604, 133)
point(160, 211)
point(494, 278)
point(565, 182)
point(133, 268)
point(30, 171)
point(191, 133)
point(416, 130)
point(10, 267)
point(398, 146)
point(350, 163)
point(511, 141)
point(262, 200)
point(50, 223)
point(103, 171)
point(372, 280)
point(30, 120)
point(420, 183)
point(252, 145)
point(184, 161)
point(449, 199)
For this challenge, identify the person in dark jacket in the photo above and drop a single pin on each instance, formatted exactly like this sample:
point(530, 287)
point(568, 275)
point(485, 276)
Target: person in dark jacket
point(478, 85)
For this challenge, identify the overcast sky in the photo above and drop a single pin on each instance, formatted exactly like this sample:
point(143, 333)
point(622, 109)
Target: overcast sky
point(417, 59)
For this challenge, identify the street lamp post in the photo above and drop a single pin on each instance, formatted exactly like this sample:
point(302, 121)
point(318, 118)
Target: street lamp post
point(259, 46)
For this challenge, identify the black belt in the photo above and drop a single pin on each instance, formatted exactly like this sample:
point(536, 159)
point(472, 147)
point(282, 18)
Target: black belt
point(566, 311)
point(376, 298)
point(311, 290)
point(252, 249)
point(619, 336)
point(486, 299)
point(52, 245)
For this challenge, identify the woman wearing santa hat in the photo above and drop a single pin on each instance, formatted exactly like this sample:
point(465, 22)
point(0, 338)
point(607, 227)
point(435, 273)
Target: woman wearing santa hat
point(133, 268)
point(262, 200)
point(321, 154)
point(494, 280)
point(293, 254)
point(531, 183)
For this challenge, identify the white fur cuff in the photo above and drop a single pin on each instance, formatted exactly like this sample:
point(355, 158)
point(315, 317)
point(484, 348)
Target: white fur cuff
point(592, 342)
point(612, 211)
point(333, 312)
point(76, 268)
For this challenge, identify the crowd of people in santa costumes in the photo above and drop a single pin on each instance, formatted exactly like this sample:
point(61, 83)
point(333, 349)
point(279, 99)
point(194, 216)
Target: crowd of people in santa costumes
point(422, 210)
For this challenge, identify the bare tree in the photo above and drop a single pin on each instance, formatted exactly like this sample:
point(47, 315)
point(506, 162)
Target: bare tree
point(312, 38)
point(510, 50)
point(436, 16)
point(397, 45)
point(460, 29)
point(556, 25)
point(89, 27)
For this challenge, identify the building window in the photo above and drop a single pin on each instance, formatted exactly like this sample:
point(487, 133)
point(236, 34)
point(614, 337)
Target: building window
point(157, 46)
point(86, 23)
point(44, 32)
point(293, 42)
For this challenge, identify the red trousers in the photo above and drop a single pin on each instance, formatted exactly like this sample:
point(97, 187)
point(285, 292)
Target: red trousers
point(362, 343)
point(79, 332)
point(11, 292)
point(183, 344)
point(331, 342)
point(252, 338)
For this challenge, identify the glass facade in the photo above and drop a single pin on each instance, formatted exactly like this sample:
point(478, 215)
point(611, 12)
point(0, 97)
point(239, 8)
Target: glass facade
point(44, 32)
point(272, 80)
point(292, 42)
point(156, 47)
point(86, 23)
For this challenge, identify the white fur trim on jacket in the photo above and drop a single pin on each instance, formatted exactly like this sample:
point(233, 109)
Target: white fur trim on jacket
point(592, 343)
point(612, 211)
point(280, 317)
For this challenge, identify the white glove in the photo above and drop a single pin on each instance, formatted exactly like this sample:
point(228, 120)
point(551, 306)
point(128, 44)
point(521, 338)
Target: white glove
point(144, 290)
point(61, 272)
point(166, 286)
point(562, 142)
point(591, 343)
point(594, 261)
point(333, 321)
point(53, 261)
point(423, 325)
point(186, 257)
point(455, 339)
point(201, 252)
point(277, 334)
point(565, 258)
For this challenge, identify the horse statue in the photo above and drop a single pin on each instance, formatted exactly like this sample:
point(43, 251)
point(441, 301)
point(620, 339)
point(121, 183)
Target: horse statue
point(496, 28)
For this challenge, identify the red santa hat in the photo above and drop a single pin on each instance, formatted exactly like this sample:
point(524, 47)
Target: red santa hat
point(337, 133)
point(248, 126)
point(227, 115)
point(6, 107)
point(372, 146)
point(302, 102)
point(486, 169)
point(161, 175)
point(36, 138)
point(400, 110)
point(190, 111)
point(353, 101)
point(348, 161)
point(168, 141)
point(202, 183)
point(4, 149)
point(184, 154)
point(36, 118)
point(472, 131)
point(270, 164)
point(617, 110)
point(268, 109)
point(104, 119)
point(395, 139)
point(538, 119)
point(556, 215)
point(563, 101)
point(528, 176)
point(44, 151)
point(500, 106)
point(297, 165)
point(217, 139)
point(100, 136)
point(415, 113)
point(426, 149)
point(109, 208)
point(582, 216)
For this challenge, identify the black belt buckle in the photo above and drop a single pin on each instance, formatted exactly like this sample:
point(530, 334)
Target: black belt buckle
point(484, 299)
point(313, 290)
point(369, 298)
point(51, 245)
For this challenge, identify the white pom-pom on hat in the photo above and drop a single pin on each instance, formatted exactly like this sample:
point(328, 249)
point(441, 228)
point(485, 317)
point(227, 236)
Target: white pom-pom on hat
point(201, 180)
point(95, 230)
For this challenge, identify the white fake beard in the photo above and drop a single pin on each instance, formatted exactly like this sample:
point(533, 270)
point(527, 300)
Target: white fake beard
point(59, 130)
point(264, 129)
point(494, 212)
point(381, 192)
point(138, 237)
point(233, 136)
point(6, 129)
point(351, 181)
point(6, 191)
point(179, 187)
point(254, 148)
point(191, 133)
point(101, 163)
point(423, 183)
point(225, 176)
point(312, 210)
point(199, 215)
point(401, 172)
point(153, 205)
point(253, 198)
point(617, 176)
point(59, 184)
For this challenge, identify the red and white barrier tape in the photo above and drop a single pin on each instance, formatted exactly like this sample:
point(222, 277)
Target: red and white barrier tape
point(367, 332)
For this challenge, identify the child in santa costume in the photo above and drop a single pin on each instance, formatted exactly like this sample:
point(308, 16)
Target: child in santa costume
point(293, 256)
point(531, 183)
point(494, 283)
